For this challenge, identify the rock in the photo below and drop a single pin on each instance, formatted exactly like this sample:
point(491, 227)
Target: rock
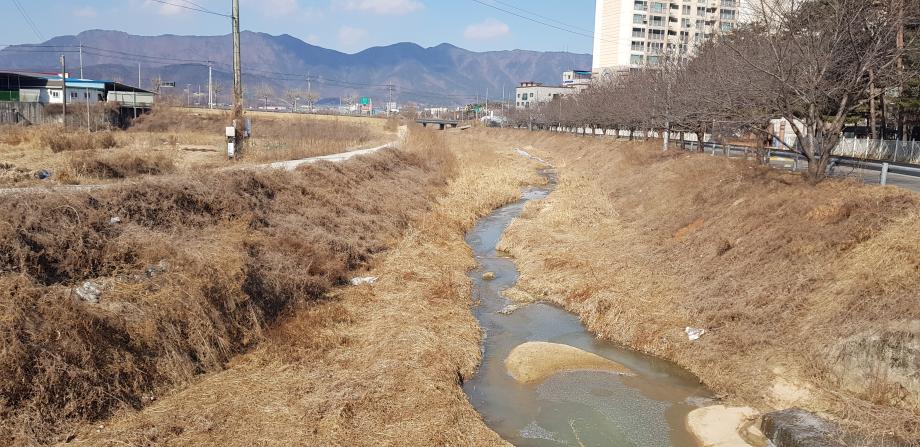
point(795, 427)
point(721, 426)
point(154, 270)
point(89, 292)
point(509, 309)
point(361, 280)
point(43, 174)
point(534, 362)
point(488, 276)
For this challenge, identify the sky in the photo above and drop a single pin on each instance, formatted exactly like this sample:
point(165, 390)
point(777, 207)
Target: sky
point(344, 25)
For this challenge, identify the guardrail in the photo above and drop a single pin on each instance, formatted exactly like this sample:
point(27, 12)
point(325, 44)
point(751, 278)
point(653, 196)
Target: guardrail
point(883, 168)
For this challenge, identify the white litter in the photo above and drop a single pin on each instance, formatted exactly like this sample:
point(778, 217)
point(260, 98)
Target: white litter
point(115, 220)
point(89, 292)
point(694, 334)
point(361, 280)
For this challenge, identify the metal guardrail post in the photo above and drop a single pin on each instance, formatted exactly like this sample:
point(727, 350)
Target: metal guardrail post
point(884, 179)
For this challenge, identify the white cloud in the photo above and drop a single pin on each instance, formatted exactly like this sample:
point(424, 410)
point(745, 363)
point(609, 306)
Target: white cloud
point(85, 12)
point(164, 9)
point(389, 7)
point(351, 37)
point(488, 29)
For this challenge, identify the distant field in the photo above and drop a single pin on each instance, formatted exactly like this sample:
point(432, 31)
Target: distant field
point(174, 141)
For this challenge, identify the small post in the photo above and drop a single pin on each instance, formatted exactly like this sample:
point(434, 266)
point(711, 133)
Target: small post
point(64, 87)
point(884, 180)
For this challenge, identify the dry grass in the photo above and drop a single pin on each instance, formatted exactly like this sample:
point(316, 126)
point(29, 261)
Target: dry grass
point(195, 272)
point(276, 136)
point(192, 140)
point(641, 245)
point(119, 165)
point(369, 365)
point(58, 139)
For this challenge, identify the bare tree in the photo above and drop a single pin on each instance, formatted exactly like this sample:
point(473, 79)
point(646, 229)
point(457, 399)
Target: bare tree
point(264, 92)
point(817, 58)
point(291, 96)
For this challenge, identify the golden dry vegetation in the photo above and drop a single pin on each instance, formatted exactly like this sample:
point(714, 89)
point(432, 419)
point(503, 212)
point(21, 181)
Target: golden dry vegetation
point(370, 365)
point(193, 270)
point(174, 140)
point(808, 293)
point(199, 270)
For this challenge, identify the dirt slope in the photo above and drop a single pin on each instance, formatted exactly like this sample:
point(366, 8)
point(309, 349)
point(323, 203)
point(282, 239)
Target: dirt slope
point(809, 294)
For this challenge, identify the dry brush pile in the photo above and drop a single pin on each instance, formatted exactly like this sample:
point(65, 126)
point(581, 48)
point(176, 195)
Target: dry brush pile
point(109, 298)
point(808, 293)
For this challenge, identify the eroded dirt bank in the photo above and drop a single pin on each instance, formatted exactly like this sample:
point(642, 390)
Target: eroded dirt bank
point(808, 294)
point(371, 365)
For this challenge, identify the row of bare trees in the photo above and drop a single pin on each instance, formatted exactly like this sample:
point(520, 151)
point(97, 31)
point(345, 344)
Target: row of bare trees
point(816, 63)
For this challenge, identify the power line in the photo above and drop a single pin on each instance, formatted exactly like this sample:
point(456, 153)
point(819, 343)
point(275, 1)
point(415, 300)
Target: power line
point(590, 36)
point(544, 17)
point(193, 8)
point(25, 15)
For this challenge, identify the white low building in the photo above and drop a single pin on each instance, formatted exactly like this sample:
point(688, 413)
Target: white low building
point(529, 94)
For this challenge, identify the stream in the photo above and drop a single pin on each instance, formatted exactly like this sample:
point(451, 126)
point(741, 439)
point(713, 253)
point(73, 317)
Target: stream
point(576, 408)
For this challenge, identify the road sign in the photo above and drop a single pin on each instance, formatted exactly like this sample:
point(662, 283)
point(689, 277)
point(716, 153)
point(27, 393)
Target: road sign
point(365, 101)
point(168, 84)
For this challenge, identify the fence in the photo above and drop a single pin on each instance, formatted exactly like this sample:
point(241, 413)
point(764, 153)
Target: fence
point(896, 151)
point(21, 112)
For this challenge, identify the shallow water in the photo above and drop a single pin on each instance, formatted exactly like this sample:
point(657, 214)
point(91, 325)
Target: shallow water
point(578, 408)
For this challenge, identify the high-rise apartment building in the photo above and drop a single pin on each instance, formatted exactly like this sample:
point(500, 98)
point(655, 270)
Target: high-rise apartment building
point(632, 33)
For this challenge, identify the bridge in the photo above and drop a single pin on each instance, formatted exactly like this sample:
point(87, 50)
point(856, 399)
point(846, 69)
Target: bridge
point(442, 124)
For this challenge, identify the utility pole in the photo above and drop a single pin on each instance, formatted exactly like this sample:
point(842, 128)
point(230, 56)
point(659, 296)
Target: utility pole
point(902, 129)
point(210, 86)
point(188, 95)
point(81, 61)
point(64, 87)
point(237, 72)
point(138, 86)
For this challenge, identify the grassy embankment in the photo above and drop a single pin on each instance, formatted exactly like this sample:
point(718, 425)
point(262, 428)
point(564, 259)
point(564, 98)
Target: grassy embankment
point(250, 260)
point(808, 293)
point(174, 141)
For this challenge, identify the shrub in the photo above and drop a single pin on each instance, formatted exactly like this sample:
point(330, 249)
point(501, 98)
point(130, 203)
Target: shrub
point(122, 165)
point(59, 139)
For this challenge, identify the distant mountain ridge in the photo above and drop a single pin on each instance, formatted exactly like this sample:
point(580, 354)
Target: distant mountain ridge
point(443, 74)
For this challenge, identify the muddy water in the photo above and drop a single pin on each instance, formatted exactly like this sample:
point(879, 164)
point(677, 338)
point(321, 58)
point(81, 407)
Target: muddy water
point(579, 408)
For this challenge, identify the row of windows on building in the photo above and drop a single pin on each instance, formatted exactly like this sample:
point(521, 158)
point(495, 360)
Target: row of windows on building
point(702, 31)
point(645, 5)
point(76, 95)
point(654, 20)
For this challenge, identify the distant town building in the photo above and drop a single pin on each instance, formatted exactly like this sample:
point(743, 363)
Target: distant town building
point(576, 77)
point(530, 93)
point(47, 88)
point(633, 33)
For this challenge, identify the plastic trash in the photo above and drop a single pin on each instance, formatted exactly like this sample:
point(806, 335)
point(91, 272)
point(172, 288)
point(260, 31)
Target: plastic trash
point(694, 334)
point(361, 280)
point(43, 174)
point(115, 220)
point(89, 292)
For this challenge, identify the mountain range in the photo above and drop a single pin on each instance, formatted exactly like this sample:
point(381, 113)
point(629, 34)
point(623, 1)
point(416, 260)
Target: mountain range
point(443, 74)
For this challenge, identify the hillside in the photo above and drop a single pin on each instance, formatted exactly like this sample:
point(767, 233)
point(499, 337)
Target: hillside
point(443, 74)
